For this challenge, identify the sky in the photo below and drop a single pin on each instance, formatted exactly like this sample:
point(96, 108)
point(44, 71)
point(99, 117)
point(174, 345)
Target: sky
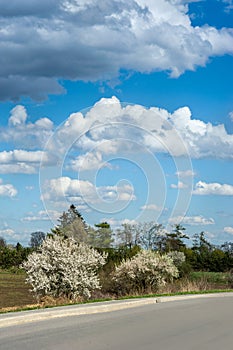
point(122, 108)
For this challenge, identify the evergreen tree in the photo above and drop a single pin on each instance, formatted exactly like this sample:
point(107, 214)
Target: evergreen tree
point(72, 224)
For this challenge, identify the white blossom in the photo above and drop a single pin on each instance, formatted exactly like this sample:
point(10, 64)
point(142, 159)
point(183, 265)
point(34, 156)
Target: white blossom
point(177, 257)
point(63, 268)
point(146, 271)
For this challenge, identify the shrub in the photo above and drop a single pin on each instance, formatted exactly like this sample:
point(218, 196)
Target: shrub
point(178, 258)
point(63, 268)
point(145, 272)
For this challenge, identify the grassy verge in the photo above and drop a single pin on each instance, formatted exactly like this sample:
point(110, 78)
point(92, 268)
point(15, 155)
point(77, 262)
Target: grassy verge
point(129, 297)
point(13, 290)
point(15, 294)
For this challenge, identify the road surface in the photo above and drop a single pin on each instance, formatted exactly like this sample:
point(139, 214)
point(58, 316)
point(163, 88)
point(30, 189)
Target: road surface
point(205, 324)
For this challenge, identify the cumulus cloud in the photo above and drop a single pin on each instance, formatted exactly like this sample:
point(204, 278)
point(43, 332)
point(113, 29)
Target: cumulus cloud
point(203, 188)
point(108, 128)
point(192, 220)
point(88, 161)
point(228, 229)
point(18, 115)
point(21, 161)
point(77, 40)
point(23, 133)
point(180, 185)
point(84, 191)
point(7, 190)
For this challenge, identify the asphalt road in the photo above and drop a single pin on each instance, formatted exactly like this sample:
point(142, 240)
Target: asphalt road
point(205, 324)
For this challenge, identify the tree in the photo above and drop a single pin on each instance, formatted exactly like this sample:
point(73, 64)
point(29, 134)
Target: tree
point(129, 235)
point(2, 242)
point(62, 267)
point(152, 236)
point(145, 272)
point(175, 238)
point(101, 236)
point(37, 239)
point(72, 224)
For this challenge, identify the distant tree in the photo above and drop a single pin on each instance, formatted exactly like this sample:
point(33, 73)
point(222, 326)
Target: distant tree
point(101, 236)
point(175, 238)
point(37, 239)
point(128, 235)
point(152, 236)
point(2, 242)
point(72, 224)
point(227, 247)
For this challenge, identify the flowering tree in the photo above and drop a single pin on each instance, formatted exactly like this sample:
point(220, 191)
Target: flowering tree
point(145, 272)
point(177, 257)
point(62, 267)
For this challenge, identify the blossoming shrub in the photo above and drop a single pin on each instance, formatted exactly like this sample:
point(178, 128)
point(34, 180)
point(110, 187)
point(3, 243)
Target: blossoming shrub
point(63, 267)
point(145, 272)
point(177, 257)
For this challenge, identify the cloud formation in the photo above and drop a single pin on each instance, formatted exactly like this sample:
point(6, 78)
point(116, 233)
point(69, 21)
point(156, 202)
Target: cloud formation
point(85, 192)
point(228, 229)
point(43, 42)
point(7, 190)
point(203, 188)
point(192, 220)
point(106, 130)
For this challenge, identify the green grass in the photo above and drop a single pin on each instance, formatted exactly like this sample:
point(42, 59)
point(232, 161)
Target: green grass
point(215, 278)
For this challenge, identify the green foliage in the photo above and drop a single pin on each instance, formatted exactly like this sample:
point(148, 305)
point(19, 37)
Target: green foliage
point(101, 236)
point(13, 256)
point(37, 239)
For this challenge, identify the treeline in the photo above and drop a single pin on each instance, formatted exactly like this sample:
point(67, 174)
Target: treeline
point(126, 242)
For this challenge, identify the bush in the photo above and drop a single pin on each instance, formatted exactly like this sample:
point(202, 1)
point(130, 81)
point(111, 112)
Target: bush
point(145, 272)
point(63, 268)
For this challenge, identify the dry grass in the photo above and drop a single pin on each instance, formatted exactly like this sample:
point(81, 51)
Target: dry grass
point(15, 294)
point(14, 291)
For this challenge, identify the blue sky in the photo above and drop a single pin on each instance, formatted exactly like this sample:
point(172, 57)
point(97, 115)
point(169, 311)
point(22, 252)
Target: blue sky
point(124, 109)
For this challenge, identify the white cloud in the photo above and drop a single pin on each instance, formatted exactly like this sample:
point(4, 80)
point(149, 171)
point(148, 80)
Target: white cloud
point(23, 133)
point(43, 215)
point(192, 220)
point(108, 128)
point(88, 161)
point(149, 36)
point(151, 207)
point(7, 190)
point(85, 192)
point(18, 115)
point(228, 229)
point(185, 173)
point(21, 161)
point(180, 185)
point(203, 188)
point(21, 156)
point(114, 223)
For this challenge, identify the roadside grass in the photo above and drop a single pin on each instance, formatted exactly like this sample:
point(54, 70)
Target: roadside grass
point(13, 290)
point(214, 278)
point(15, 294)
